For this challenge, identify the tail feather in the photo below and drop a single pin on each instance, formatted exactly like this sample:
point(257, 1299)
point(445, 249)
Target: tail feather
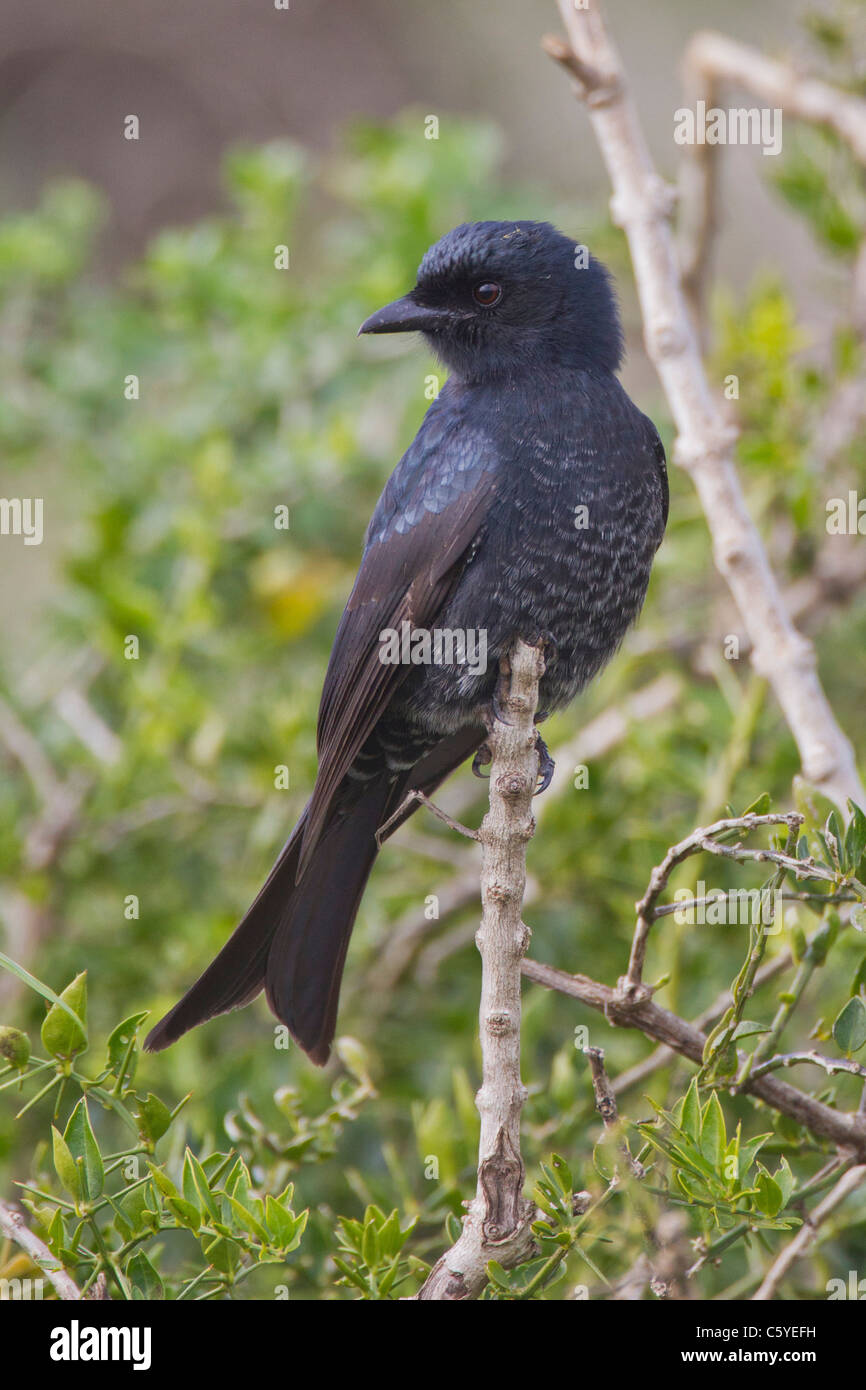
point(293, 941)
point(307, 955)
point(237, 974)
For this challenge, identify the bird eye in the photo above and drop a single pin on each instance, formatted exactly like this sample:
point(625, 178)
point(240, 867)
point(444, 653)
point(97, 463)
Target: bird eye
point(487, 293)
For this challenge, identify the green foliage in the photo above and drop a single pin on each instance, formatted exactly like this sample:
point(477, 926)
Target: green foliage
point(720, 1178)
point(120, 1208)
point(370, 1258)
point(173, 1176)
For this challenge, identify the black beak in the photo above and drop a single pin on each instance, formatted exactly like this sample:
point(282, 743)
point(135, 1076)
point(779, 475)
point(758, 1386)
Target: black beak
point(404, 316)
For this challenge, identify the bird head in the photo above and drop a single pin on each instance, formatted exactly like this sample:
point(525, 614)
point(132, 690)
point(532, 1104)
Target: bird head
point(505, 298)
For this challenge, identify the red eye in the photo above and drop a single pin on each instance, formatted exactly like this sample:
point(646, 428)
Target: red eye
point(487, 293)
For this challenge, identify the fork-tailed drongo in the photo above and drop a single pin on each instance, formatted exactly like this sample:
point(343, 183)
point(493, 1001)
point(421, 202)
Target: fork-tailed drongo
point(531, 502)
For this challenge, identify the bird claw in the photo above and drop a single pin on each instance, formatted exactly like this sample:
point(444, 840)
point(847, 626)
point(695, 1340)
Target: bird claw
point(494, 713)
point(498, 712)
point(481, 759)
point(546, 765)
point(548, 643)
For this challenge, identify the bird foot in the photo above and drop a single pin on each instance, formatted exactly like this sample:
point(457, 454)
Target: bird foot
point(481, 759)
point(494, 713)
point(548, 643)
point(546, 765)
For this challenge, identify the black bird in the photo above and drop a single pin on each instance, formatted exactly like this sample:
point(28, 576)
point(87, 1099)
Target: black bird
point(530, 503)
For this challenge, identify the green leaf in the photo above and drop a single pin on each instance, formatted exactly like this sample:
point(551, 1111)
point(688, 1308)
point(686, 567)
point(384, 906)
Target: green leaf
point(190, 1191)
point(153, 1118)
point(502, 1278)
point(282, 1225)
point(201, 1186)
point(65, 1165)
point(784, 1180)
point(824, 939)
point(713, 1137)
point(391, 1237)
point(769, 1195)
point(855, 836)
point(386, 1281)
point(146, 1283)
point(694, 1160)
point(163, 1182)
point(849, 1030)
point(798, 943)
point(186, 1213)
point(563, 1174)
point(247, 1220)
point(370, 1249)
point(691, 1117)
point(82, 1145)
point(119, 1044)
point(748, 1149)
point(747, 1028)
point(64, 1029)
point(221, 1253)
point(56, 1234)
point(834, 839)
point(352, 1276)
point(31, 981)
point(760, 806)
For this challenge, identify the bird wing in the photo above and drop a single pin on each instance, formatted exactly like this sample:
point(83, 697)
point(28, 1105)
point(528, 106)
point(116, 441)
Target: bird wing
point(431, 511)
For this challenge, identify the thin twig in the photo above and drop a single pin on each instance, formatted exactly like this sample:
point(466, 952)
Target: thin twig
point(793, 1059)
point(410, 800)
point(605, 1104)
point(700, 840)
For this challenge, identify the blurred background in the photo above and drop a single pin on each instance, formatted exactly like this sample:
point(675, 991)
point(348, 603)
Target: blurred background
point(203, 78)
point(138, 808)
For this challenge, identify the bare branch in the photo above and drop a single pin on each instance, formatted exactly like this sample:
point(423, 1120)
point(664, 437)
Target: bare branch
point(794, 1059)
point(663, 1055)
point(717, 57)
point(641, 205)
point(76, 710)
point(702, 840)
point(848, 1131)
point(23, 747)
point(605, 1100)
point(498, 1224)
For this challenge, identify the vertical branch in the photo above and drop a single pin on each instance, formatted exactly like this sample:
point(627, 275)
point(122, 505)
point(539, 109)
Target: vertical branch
point(642, 205)
point(498, 1222)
